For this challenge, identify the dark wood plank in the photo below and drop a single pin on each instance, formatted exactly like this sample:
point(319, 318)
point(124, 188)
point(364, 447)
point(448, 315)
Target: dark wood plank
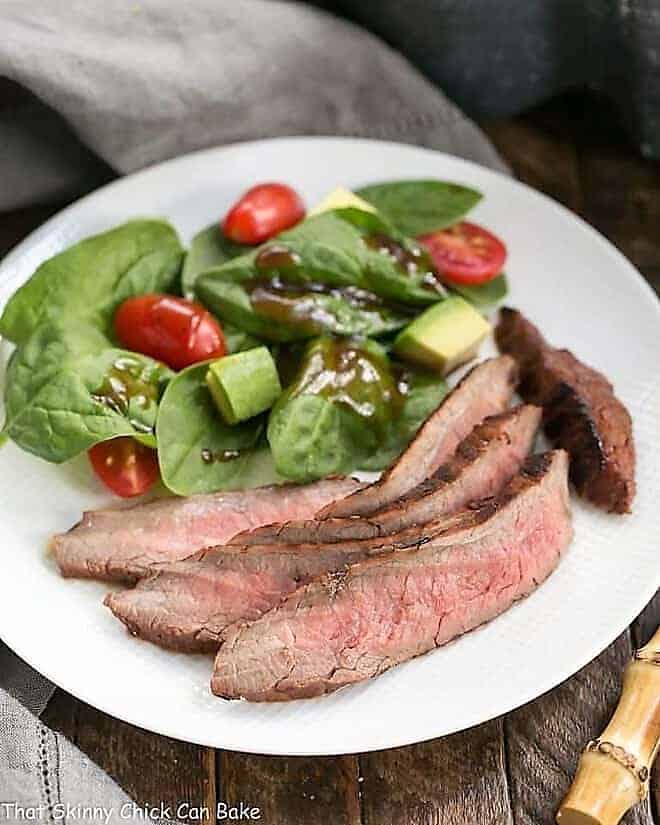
point(575, 150)
point(150, 768)
point(288, 790)
point(458, 780)
point(544, 739)
point(547, 162)
point(621, 192)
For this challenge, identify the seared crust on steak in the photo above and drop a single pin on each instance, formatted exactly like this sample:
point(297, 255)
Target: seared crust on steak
point(356, 623)
point(188, 605)
point(485, 390)
point(480, 467)
point(581, 413)
point(120, 544)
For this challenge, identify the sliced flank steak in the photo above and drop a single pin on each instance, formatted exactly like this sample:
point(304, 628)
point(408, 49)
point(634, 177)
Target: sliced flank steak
point(485, 390)
point(188, 605)
point(581, 413)
point(352, 624)
point(480, 467)
point(121, 544)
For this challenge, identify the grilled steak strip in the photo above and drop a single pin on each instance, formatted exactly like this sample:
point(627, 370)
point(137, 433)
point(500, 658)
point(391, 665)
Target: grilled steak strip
point(485, 390)
point(120, 544)
point(353, 624)
point(481, 466)
point(189, 604)
point(581, 413)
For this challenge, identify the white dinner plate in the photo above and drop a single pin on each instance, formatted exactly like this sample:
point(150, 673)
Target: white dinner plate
point(583, 294)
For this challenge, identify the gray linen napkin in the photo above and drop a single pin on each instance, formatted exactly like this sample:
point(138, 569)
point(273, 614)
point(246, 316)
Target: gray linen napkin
point(138, 82)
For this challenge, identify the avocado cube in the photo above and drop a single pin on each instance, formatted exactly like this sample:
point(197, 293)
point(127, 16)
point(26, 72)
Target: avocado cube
point(444, 336)
point(341, 198)
point(244, 385)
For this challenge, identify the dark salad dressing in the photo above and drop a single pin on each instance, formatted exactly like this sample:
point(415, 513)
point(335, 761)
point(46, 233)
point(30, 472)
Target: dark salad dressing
point(211, 456)
point(124, 386)
point(298, 304)
point(277, 258)
point(279, 291)
point(412, 261)
point(356, 374)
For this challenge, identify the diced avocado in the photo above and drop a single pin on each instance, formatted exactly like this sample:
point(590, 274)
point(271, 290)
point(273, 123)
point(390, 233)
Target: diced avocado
point(244, 385)
point(341, 198)
point(445, 336)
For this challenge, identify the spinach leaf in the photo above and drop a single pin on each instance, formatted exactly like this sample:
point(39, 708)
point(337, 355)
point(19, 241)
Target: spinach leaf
point(208, 248)
point(396, 267)
point(422, 393)
point(416, 207)
point(336, 412)
point(198, 452)
point(322, 249)
point(311, 437)
point(238, 340)
point(277, 311)
point(67, 389)
point(90, 279)
point(331, 261)
point(485, 294)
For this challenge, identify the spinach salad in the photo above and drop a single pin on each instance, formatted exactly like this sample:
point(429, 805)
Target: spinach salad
point(279, 346)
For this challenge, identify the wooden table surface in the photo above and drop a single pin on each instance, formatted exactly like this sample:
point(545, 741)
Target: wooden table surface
point(514, 769)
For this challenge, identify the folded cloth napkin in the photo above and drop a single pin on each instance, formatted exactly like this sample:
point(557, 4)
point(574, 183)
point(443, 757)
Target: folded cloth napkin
point(134, 83)
point(43, 777)
point(139, 82)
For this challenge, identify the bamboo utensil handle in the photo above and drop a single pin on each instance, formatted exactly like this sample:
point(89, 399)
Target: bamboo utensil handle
point(613, 771)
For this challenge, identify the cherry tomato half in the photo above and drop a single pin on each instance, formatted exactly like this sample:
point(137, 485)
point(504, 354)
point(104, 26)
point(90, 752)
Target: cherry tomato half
point(262, 212)
point(172, 330)
point(465, 253)
point(124, 465)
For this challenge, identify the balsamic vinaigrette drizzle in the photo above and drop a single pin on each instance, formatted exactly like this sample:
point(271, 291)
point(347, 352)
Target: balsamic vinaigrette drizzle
point(211, 457)
point(413, 262)
point(277, 257)
point(279, 294)
point(340, 369)
point(348, 372)
point(123, 384)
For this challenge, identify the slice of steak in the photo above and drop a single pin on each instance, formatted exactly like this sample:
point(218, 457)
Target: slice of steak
point(485, 390)
point(120, 544)
point(581, 413)
point(480, 467)
point(189, 604)
point(353, 624)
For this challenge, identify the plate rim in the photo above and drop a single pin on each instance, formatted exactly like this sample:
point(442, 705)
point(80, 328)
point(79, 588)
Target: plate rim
point(645, 292)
